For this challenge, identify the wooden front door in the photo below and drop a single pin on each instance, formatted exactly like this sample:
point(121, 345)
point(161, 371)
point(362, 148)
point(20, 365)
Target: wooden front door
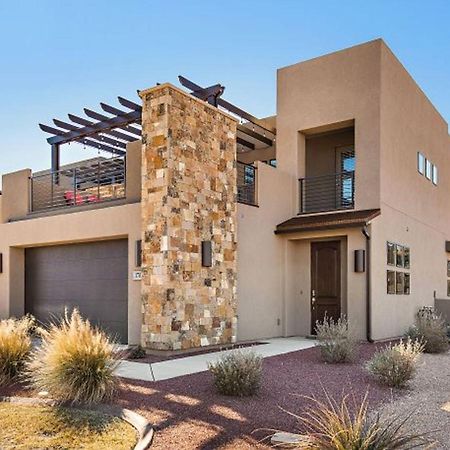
point(325, 281)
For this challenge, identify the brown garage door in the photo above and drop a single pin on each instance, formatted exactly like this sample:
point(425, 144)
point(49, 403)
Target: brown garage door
point(90, 276)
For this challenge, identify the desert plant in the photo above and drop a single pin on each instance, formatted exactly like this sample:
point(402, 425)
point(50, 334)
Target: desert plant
point(237, 373)
point(75, 362)
point(431, 329)
point(395, 365)
point(136, 352)
point(346, 425)
point(15, 347)
point(336, 342)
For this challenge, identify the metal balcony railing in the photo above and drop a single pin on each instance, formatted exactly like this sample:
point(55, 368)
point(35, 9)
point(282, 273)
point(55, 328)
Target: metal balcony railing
point(90, 183)
point(246, 184)
point(327, 192)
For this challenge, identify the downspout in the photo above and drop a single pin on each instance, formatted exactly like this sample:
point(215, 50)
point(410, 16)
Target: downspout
point(366, 234)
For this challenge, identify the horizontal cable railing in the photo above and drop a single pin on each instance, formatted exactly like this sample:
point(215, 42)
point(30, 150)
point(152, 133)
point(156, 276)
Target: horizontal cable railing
point(327, 192)
point(79, 185)
point(246, 183)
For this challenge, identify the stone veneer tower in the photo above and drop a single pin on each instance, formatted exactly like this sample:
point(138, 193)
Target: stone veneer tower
point(188, 196)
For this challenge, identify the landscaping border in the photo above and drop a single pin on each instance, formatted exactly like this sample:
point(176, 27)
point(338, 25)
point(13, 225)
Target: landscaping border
point(140, 423)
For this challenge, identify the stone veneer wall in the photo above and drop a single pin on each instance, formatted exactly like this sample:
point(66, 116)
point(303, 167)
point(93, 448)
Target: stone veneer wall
point(188, 196)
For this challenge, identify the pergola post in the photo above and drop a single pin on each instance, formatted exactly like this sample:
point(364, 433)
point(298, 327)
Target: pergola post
point(55, 163)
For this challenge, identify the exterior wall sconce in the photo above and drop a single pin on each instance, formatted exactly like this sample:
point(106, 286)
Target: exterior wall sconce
point(138, 254)
point(1, 262)
point(206, 254)
point(447, 246)
point(360, 261)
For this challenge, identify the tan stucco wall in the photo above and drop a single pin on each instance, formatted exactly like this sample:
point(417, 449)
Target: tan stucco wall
point(334, 88)
point(261, 255)
point(106, 223)
point(414, 212)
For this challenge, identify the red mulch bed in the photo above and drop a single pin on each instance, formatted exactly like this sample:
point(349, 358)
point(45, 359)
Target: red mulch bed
point(188, 414)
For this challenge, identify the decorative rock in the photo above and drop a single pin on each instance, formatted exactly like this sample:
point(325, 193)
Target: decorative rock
point(288, 440)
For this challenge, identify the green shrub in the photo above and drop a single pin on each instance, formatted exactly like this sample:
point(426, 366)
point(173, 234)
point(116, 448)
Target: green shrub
point(396, 364)
point(237, 373)
point(75, 362)
point(15, 347)
point(340, 426)
point(431, 329)
point(136, 352)
point(336, 343)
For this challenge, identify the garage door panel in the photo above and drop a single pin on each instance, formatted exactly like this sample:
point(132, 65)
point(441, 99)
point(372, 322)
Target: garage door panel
point(91, 276)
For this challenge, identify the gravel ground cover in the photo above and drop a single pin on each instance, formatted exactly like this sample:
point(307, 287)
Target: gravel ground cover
point(188, 414)
point(427, 398)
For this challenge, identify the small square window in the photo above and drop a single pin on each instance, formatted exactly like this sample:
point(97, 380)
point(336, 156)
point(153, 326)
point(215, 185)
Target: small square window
point(400, 256)
point(390, 277)
point(390, 249)
point(435, 175)
point(421, 163)
point(428, 170)
point(448, 269)
point(406, 257)
point(400, 282)
point(407, 287)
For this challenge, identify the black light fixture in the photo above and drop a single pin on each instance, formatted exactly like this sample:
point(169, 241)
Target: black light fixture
point(447, 246)
point(360, 261)
point(206, 254)
point(138, 253)
point(1, 262)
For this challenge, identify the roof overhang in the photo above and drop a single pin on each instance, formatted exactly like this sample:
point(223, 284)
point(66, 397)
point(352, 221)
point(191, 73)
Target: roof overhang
point(327, 221)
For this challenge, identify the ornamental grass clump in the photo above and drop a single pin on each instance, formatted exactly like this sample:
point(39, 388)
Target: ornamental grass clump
point(347, 425)
point(336, 342)
point(75, 362)
point(396, 365)
point(237, 373)
point(431, 329)
point(15, 347)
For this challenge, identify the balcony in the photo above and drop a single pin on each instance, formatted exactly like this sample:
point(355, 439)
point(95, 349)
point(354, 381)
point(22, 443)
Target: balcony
point(246, 184)
point(330, 192)
point(91, 182)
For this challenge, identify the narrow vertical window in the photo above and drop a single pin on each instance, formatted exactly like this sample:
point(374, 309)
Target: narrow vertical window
point(390, 248)
point(435, 175)
point(421, 163)
point(390, 278)
point(400, 256)
point(400, 282)
point(407, 287)
point(428, 169)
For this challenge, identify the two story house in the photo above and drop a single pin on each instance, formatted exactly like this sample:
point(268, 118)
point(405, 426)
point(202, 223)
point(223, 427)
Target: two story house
point(206, 225)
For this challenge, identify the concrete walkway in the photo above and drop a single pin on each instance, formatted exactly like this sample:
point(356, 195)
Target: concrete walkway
point(199, 363)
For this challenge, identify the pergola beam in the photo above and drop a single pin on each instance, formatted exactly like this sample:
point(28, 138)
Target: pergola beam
point(88, 131)
point(97, 116)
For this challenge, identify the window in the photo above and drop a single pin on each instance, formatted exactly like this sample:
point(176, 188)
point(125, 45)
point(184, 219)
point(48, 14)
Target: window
point(406, 287)
point(435, 175)
point(448, 269)
point(398, 281)
point(428, 169)
point(448, 288)
point(421, 163)
point(390, 254)
point(391, 282)
point(400, 256)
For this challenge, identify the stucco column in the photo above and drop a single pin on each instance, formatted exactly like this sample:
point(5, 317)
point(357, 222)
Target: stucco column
point(188, 196)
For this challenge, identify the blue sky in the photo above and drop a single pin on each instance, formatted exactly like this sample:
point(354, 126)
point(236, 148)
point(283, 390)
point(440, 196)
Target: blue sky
point(60, 56)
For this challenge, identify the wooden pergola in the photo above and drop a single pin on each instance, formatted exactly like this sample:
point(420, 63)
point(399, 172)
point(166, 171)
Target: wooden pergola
point(111, 132)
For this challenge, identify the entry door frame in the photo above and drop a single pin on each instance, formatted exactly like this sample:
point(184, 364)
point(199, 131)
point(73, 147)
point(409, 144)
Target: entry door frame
point(314, 294)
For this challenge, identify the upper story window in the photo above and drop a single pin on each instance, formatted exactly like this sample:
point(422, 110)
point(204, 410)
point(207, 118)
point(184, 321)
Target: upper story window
point(421, 163)
point(427, 168)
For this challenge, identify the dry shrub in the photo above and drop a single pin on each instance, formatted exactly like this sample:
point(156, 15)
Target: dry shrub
point(75, 362)
point(336, 342)
point(348, 425)
point(395, 365)
point(15, 347)
point(237, 373)
point(431, 329)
